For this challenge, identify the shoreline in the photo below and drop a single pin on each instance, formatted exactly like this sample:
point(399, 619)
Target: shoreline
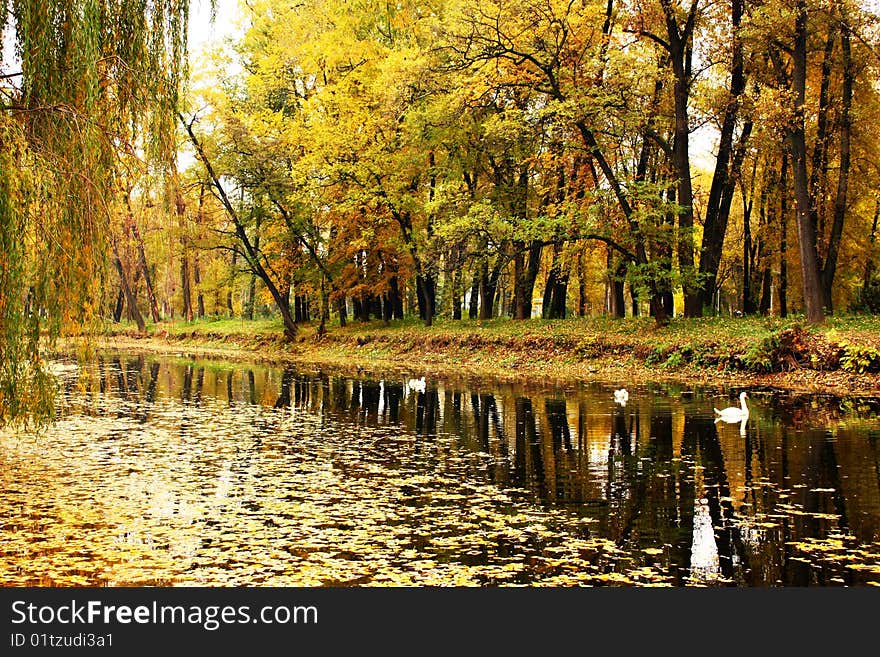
point(527, 359)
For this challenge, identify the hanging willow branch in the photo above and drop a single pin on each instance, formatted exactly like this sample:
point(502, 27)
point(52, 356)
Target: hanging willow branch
point(97, 78)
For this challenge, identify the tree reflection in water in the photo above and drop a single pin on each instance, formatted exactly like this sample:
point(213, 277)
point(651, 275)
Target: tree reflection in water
point(790, 498)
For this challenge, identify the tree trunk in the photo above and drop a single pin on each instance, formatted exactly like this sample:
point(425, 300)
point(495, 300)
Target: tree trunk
point(474, 301)
point(559, 298)
point(840, 201)
point(783, 237)
point(131, 225)
point(120, 304)
point(252, 293)
point(197, 274)
point(640, 256)
point(659, 307)
point(488, 288)
point(200, 297)
point(749, 307)
point(616, 303)
point(252, 284)
point(229, 307)
point(376, 306)
point(783, 270)
point(456, 293)
point(724, 176)
point(662, 302)
point(396, 298)
point(325, 309)
point(812, 288)
point(184, 282)
point(583, 300)
point(426, 297)
point(525, 273)
point(556, 287)
point(145, 272)
point(519, 282)
point(387, 311)
point(300, 312)
point(487, 297)
point(342, 312)
point(425, 284)
point(870, 267)
point(766, 287)
point(180, 208)
point(130, 299)
point(819, 162)
point(763, 258)
point(679, 55)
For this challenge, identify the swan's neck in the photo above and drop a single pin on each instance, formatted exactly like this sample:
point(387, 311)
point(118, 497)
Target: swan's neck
point(745, 409)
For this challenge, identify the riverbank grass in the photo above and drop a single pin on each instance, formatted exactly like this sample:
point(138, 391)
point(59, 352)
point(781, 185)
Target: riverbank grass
point(842, 354)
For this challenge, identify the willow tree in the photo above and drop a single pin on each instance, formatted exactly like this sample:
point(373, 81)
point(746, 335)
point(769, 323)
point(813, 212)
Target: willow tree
point(88, 79)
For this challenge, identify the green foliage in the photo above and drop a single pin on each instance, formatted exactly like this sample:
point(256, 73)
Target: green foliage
point(860, 359)
point(25, 387)
point(792, 347)
point(654, 356)
point(763, 355)
point(674, 361)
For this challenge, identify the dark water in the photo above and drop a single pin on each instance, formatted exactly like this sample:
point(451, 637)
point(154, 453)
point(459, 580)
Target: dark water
point(175, 472)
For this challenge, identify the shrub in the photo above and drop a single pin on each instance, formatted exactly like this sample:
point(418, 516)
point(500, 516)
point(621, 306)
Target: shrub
point(860, 359)
point(588, 347)
point(763, 356)
point(657, 354)
point(675, 360)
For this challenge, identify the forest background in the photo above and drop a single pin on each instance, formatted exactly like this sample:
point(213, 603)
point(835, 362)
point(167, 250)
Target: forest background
point(450, 160)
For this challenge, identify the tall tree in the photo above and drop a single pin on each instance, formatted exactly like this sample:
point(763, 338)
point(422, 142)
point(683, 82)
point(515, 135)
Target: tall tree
point(727, 164)
point(829, 267)
point(797, 144)
point(250, 251)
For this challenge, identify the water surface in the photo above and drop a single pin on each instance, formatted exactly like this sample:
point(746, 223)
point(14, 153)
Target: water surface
point(176, 472)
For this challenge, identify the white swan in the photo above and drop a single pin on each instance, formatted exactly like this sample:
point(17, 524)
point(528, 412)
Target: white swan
point(732, 413)
point(418, 385)
point(621, 396)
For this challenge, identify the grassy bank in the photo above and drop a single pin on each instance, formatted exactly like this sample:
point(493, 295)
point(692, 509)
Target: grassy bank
point(840, 357)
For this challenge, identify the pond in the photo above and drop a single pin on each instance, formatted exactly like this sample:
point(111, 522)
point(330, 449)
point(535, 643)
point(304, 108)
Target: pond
point(162, 471)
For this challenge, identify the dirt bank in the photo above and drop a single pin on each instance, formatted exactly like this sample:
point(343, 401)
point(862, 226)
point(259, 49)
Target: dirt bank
point(838, 360)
